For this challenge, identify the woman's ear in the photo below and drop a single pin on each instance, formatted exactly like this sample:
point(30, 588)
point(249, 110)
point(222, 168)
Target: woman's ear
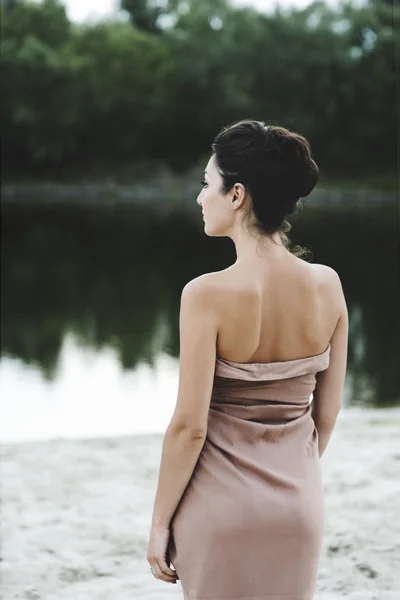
point(239, 194)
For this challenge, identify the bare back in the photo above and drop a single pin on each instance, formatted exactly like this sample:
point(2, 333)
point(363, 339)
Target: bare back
point(284, 311)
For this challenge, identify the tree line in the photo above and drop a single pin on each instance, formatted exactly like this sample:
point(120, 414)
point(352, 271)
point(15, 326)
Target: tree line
point(156, 84)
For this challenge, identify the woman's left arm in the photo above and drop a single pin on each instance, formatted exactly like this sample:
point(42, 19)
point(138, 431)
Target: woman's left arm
point(186, 433)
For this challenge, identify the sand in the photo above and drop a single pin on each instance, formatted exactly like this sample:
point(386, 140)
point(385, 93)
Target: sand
point(76, 515)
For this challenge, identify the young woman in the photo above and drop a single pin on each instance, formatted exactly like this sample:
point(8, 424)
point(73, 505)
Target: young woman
point(239, 509)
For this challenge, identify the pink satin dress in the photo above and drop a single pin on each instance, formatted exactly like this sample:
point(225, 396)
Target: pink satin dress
point(250, 523)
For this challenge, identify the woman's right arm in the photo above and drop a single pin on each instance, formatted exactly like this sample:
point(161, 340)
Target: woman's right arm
point(328, 393)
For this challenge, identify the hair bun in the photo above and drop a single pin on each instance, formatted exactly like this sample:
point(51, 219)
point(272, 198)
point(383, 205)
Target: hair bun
point(273, 163)
point(310, 179)
point(297, 151)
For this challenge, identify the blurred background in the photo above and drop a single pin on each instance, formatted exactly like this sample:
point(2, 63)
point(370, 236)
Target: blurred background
point(109, 110)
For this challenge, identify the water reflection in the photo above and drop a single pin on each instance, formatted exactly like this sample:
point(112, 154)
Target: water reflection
point(90, 396)
point(112, 274)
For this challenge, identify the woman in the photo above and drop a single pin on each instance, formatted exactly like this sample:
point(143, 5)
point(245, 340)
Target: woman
point(239, 509)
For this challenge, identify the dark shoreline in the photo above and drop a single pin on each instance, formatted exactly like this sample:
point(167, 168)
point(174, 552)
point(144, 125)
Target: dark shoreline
point(182, 194)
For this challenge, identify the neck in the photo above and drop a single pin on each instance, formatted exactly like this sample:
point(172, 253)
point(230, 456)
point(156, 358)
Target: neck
point(253, 247)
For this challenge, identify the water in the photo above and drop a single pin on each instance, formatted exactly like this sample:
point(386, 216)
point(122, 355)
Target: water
point(90, 301)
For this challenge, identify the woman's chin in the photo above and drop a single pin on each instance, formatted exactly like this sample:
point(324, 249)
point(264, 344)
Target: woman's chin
point(209, 230)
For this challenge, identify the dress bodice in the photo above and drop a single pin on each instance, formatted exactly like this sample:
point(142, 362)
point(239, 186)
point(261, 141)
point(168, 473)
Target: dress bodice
point(272, 370)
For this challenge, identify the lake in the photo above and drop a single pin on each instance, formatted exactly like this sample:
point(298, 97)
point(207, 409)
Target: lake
point(90, 300)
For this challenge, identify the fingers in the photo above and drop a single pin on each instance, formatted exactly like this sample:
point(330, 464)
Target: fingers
point(164, 572)
point(167, 570)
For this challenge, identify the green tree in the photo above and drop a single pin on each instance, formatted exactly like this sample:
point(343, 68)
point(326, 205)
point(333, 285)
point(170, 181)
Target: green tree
point(159, 89)
point(125, 91)
point(143, 15)
point(40, 71)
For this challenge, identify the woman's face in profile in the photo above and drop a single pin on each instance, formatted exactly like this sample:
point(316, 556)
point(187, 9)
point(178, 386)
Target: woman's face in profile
point(215, 206)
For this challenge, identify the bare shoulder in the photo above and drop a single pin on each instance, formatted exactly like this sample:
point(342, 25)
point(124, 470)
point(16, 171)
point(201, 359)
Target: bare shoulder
point(203, 283)
point(327, 275)
point(205, 288)
point(324, 270)
point(331, 283)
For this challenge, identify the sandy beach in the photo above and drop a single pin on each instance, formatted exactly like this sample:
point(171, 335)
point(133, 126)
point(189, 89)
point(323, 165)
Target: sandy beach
point(76, 515)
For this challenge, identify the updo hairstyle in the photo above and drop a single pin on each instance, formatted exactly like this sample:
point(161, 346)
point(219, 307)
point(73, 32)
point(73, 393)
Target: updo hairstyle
point(276, 168)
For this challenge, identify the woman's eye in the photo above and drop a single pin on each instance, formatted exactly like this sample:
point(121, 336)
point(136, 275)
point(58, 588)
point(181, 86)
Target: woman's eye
point(203, 183)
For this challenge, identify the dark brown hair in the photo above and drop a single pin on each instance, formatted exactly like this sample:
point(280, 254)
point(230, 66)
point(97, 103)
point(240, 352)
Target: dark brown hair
point(274, 165)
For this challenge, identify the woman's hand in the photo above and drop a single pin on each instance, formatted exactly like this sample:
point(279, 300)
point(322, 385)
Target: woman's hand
point(157, 554)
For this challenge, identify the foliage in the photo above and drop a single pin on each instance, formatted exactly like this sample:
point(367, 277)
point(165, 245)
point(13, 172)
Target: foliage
point(160, 86)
